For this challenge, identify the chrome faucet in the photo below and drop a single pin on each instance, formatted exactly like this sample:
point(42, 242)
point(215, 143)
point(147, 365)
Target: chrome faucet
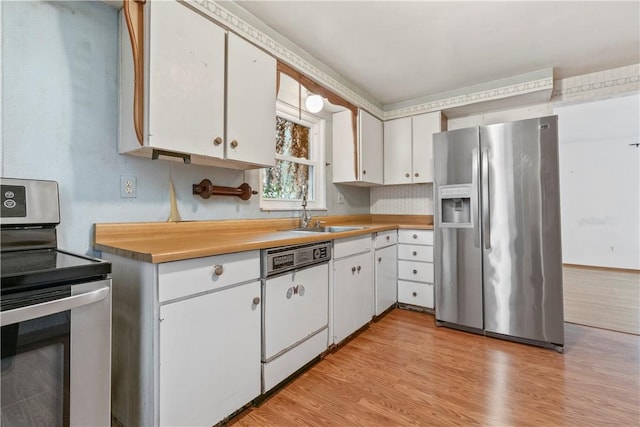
point(306, 215)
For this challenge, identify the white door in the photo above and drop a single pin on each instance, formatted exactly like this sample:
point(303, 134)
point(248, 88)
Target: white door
point(352, 295)
point(397, 151)
point(251, 103)
point(209, 356)
point(296, 305)
point(186, 81)
point(370, 148)
point(424, 126)
point(386, 276)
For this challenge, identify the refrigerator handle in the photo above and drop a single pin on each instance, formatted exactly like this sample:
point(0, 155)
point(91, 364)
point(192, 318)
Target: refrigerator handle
point(486, 213)
point(474, 196)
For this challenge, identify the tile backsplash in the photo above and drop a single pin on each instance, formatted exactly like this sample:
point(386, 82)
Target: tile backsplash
point(413, 199)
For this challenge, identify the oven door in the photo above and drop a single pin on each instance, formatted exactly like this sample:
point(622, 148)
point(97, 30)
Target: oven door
point(56, 356)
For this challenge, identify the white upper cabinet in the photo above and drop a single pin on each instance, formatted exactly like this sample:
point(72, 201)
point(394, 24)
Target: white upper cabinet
point(408, 148)
point(251, 103)
point(357, 161)
point(193, 77)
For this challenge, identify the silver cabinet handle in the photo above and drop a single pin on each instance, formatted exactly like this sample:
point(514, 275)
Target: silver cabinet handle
point(380, 259)
point(256, 301)
point(486, 211)
point(217, 141)
point(234, 143)
point(387, 237)
point(415, 236)
point(218, 270)
point(23, 314)
point(415, 253)
point(407, 175)
point(353, 269)
point(359, 268)
point(474, 196)
point(415, 271)
point(364, 172)
point(415, 294)
point(417, 174)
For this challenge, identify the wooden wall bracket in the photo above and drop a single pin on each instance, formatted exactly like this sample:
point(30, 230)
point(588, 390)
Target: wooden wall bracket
point(206, 189)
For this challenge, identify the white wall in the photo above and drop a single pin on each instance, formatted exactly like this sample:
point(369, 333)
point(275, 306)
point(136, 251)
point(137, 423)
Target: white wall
point(600, 182)
point(59, 116)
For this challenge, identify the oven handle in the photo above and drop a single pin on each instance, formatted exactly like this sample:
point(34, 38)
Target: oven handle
point(30, 312)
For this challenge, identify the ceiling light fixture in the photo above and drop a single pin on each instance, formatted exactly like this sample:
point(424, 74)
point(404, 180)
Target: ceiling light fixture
point(314, 103)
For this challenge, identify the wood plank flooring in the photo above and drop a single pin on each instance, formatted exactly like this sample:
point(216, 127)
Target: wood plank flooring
point(603, 298)
point(403, 371)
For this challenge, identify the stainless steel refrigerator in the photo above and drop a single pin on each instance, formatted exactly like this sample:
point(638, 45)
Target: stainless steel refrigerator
point(498, 260)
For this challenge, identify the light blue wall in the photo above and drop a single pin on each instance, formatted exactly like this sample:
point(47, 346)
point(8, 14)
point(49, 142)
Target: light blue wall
point(59, 117)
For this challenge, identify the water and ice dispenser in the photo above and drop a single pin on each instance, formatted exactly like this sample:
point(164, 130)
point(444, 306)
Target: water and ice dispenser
point(455, 209)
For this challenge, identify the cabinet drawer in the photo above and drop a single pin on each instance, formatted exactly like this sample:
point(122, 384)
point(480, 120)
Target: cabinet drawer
point(415, 293)
point(418, 271)
point(183, 278)
point(415, 253)
point(385, 238)
point(351, 245)
point(416, 237)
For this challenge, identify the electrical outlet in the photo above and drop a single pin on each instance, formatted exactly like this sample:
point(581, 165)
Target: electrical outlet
point(128, 186)
point(340, 198)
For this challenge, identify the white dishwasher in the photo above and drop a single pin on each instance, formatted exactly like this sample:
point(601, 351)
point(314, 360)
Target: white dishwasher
point(295, 308)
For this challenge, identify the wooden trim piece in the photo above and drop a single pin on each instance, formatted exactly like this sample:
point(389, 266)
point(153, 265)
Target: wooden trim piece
point(134, 17)
point(595, 267)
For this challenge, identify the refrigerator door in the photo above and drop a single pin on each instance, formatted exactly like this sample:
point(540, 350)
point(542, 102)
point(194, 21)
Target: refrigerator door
point(520, 211)
point(458, 254)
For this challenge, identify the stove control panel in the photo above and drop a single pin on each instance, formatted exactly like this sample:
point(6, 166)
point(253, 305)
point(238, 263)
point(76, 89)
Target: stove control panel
point(27, 202)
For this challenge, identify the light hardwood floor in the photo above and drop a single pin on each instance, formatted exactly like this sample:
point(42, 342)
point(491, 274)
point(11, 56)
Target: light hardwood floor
point(402, 371)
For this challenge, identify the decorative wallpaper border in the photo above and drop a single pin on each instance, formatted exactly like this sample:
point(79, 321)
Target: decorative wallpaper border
point(581, 88)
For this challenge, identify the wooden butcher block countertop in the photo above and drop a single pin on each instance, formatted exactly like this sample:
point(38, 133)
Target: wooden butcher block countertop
point(158, 242)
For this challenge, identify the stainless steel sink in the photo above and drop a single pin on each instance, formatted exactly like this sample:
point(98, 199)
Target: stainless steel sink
point(329, 229)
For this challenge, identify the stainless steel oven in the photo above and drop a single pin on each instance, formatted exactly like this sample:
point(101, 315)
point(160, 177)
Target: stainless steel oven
point(55, 317)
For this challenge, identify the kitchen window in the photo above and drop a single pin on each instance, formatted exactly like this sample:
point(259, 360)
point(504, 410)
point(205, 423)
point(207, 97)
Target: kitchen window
point(299, 168)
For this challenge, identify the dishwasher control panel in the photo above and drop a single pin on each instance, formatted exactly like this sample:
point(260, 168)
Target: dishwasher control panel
point(286, 258)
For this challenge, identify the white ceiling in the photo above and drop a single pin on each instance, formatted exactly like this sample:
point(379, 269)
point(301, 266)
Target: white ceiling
point(401, 50)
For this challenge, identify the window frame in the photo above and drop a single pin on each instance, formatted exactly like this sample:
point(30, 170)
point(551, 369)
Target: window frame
point(317, 141)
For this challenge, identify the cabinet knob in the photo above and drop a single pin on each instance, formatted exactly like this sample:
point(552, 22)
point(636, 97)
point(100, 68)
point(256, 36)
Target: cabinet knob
point(407, 175)
point(387, 237)
point(234, 143)
point(218, 270)
point(256, 301)
point(415, 294)
point(353, 269)
point(415, 253)
point(380, 259)
point(415, 271)
point(359, 268)
point(364, 172)
point(415, 236)
point(417, 174)
point(217, 141)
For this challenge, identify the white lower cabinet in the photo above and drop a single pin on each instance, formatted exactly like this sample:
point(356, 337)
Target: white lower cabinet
point(209, 356)
point(386, 271)
point(415, 268)
point(352, 286)
point(186, 339)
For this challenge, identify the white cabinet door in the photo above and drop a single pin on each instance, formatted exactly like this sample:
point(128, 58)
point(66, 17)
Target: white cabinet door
point(352, 295)
point(424, 126)
point(186, 81)
point(386, 276)
point(251, 103)
point(363, 155)
point(209, 356)
point(371, 165)
point(397, 151)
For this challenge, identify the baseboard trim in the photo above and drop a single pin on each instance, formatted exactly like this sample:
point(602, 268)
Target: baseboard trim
point(595, 267)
